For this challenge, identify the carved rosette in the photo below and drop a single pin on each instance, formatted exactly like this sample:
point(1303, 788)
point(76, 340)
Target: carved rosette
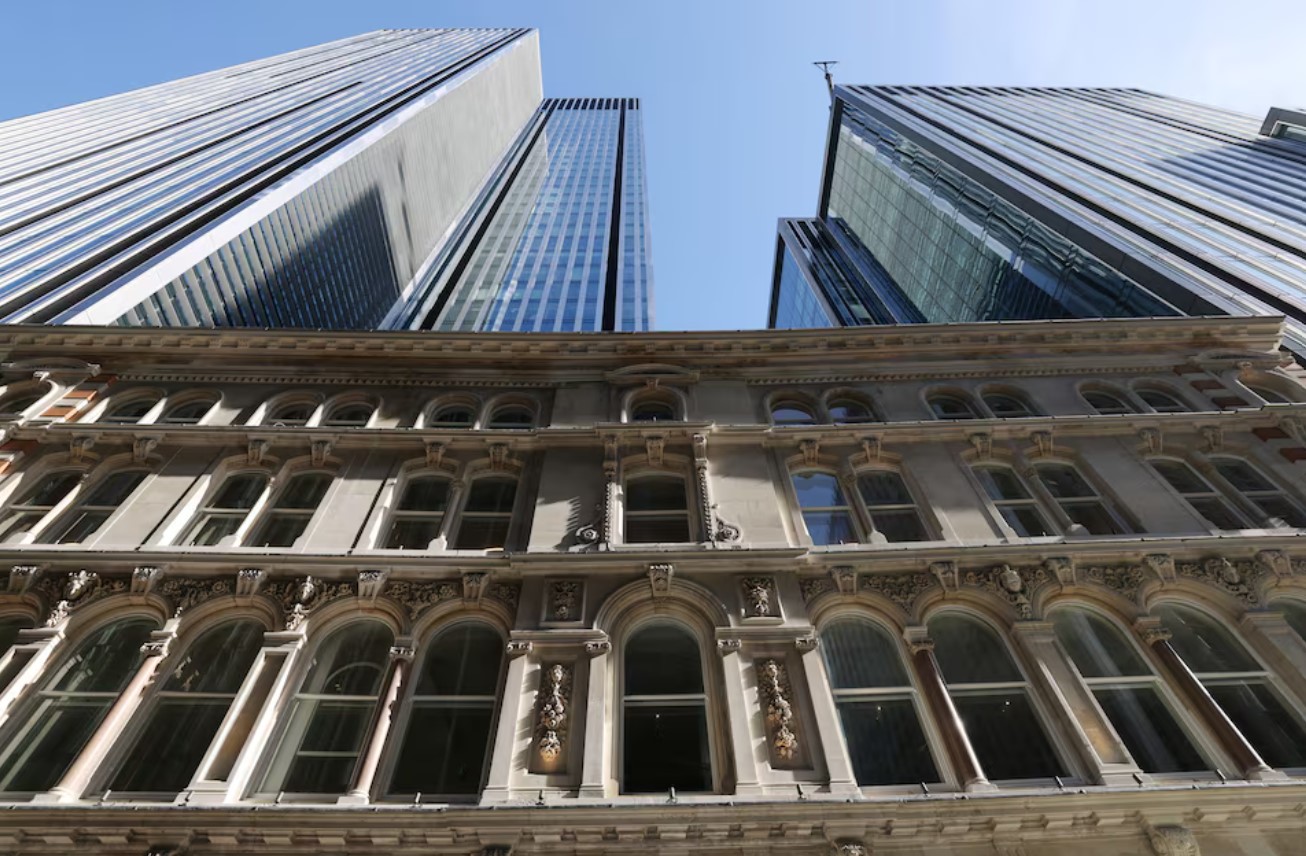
point(552, 705)
point(776, 697)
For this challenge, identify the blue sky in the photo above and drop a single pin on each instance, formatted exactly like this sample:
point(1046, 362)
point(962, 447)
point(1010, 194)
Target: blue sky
point(734, 112)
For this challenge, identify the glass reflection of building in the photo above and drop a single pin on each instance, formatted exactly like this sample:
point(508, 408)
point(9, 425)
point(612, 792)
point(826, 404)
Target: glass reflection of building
point(949, 204)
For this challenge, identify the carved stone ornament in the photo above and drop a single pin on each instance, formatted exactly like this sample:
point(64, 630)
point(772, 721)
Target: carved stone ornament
point(849, 847)
point(507, 594)
point(1042, 442)
point(982, 443)
point(418, 596)
point(946, 573)
point(142, 447)
point(814, 587)
point(371, 583)
point(79, 448)
point(1237, 579)
point(157, 647)
point(1009, 584)
point(810, 642)
point(845, 578)
point(402, 653)
point(1161, 564)
point(1151, 439)
point(726, 533)
point(659, 578)
point(434, 455)
point(1153, 633)
point(728, 646)
point(902, 589)
point(655, 447)
point(318, 451)
point(595, 647)
point(79, 584)
point(1276, 562)
point(518, 648)
point(562, 600)
point(591, 533)
point(811, 451)
point(553, 703)
point(776, 696)
point(1173, 841)
point(250, 580)
point(255, 452)
point(1124, 579)
point(498, 456)
point(144, 578)
point(759, 597)
point(184, 593)
point(21, 577)
point(474, 585)
point(1213, 437)
point(872, 448)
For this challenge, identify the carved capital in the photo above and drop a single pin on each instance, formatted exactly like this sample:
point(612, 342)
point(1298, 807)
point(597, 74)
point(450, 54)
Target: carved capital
point(474, 585)
point(728, 646)
point(918, 639)
point(142, 447)
point(79, 448)
point(810, 642)
point(21, 577)
point(1151, 630)
point(517, 648)
point(371, 583)
point(596, 647)
point(156, 647)
point(402, 653)
point(849, 847)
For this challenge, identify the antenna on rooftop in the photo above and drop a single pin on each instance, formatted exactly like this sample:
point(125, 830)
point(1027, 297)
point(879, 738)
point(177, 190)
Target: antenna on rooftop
point(824, 65)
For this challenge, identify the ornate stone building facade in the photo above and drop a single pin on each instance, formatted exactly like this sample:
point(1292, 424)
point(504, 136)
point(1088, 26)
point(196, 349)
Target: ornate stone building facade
point(1008, 588)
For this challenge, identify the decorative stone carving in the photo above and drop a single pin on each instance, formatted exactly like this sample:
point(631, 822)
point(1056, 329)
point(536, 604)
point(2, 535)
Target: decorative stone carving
point(872, 449)
point(21, 577)
point(551, 716)
point(157, 647)
point(946, 573)
point(1295, 427)
point(474, 585)
point(659, 578)
point(1151, 439)
point(775, 694)
point(1060, 568)
point(563, 600)
point(655, 447)
point(79, 448)
point(1009, 584)
point(507, 594)
point(1125, 579)
point(79, 584)
point(725, 533)
point(1042, 441)
point(183, 593)
point(902, 589)
point(810, 642)
point(1236, 579)
point(142, 447)
point(1161, 564)
point(845, 578)
point(982, 443)
point(1213, 437)
point(297, 600)
point(811, 451)
point(58, 614)
point(611, 456)
point(435, 455)
point(1276, 562)
point(595, 647)
point(728, 646)
point(814, 587)
point(418, 596)
point(1173, 841)
point(255, 452)
point(849, 847)
point(1153, 633)
point(498, 456)
point(591, 533)
point(249, 581)
point(759, 597)
point(371, 583)
point(144, 578)
point(402, 653)
point(497, 850)
point(518, 648)
point(318, 451)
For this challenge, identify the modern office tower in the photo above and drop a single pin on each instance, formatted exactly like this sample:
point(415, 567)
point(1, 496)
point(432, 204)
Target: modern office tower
point(406, 178)
point(559, 239)
point(970, 589)
point(979, 204)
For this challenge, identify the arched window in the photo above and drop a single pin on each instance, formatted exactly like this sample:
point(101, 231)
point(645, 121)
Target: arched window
point(1107, 403)
point(1294, 612)
point(13, 406)
point(790, 412)
point(188, 412)
point(877, 705)
point(992, 699)
point(95, 507)
point(664, 713)
point(9, 628)
point(512, 416)
point(1079, 500)
point(1162, 402)
point(292, 414)
point(191, 703)
point(849, 411)
point(331, 716)
point(891, 507)
point(70, 705)
point(1007, 406)
point(1239, 685)
point(826, 512)
point(487, 514)
point(1269, 396)
point(355, 415)
point(653, 410)
point(32, 507)
point(1013, 501)
point(657, 510)
point(446, 742)
point(419, 513)
point(129, 412)
point(292, 510)
point(1198, 493)
point(227, 509)
point(1274, 503)
point(1128, 692)
point(453, 416)
point(950, 407)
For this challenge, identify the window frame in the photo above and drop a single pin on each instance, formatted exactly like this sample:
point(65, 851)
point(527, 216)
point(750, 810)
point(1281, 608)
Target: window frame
point(206, 509)
point(1122, 397)
point(956, 396)
point(331, 410)
point(64, 521)
point(1215, 493)
point(47, 513)
point(394, 514)
point(1141, 389)
point(792, 400)
point(172, 405)
point(849, 506)
point(1032, 500)
point(514, 515)
point(692, 526)
point(924, 514)
point(1029, 411)
point(40, 389)
point(1246, 500)
point(268, 510)
point(1110, 507)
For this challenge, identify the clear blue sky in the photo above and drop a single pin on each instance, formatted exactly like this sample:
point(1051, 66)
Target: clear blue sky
point(734, 112)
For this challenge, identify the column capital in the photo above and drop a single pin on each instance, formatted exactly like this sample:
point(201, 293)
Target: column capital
point(918, 639)
point(1151, 629)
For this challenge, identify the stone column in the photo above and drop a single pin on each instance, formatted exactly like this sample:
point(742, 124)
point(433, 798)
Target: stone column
point(498, 786)
point(387, 708)
point(957, 744)
point(78, 777)
point(594, 764)
point(1250, 764)
point(838, 766)
point(1099, 745)
point(737, 714)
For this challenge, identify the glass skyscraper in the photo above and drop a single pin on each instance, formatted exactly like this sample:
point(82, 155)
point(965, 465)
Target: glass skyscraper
point(343, 186)
point(964, 204)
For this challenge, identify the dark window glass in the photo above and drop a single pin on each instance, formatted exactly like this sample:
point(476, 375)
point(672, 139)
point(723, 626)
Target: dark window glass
point(664, 724)
point(512, 417)
point(454, 417)
point(950, 407)
point(487, 514)
point(652, 411)
point(1269, 395)
point(190, 707)
point(791, 413)
point(845, 411)
point(292, 511)
point(189, 413)
point(1295, 614)
point(1013, 501)
point(292, 415)
point(9, 628)
point(1078, 499)
point(129, 413)
point(1260, 491)
point(891, 507)
point(1161, 402)
point(419, 513)
point(1200, 495)
point(825, 511)
point(1106, 403)
point(1007, 406)
point(350, 416)
point(95, 508)
point(15, 406)
point(228, 508)
point(34, 505)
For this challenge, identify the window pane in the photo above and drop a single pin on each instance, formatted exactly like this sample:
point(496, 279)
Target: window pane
point(1105, 403)
point(352, 661)
point(188, 414)
point(172, 745)
point(512, 417)
point(9, 632)
point(1063, 481)
point(655, 494)
point(665, 747)
point(115, 489)
point(860, 655)
point(130, 412)
point(82, 525)
point(352, 415)
point(1160, 401)
point(413, 534)
point(304, 491)
point(898, 526)
point(482, 533)
point(1149, 730)
point(969, 652)
point(1269, 395)
point(240, 491)
point(1203, 645)
point(106, 661)
point(886, 742)
point(947, 407)
point(491, 494)
point(280, 531)
point(465, 660)
point(791, 414)
point(1264, 720)
point(1295, 614)
point(1181, 477)
point(818, 490)
point(1000, 483)
point(50, 742)
point(460, 417)
point(849, 411)
point(653, 411)
point(1097, 648)
point(1006, 405)
point(330, 747)
point(218, 661)
point(830, 527)
point(293, 414)
point(211, 530)
point(1241, 475)
point(1217, 513)
point(663, 660)
point(18, 524)
point(1026, 521)
point(657, 530)
point(1277, 506)
point(425, 494)
point(1094, 517)
point(992, 720)
point(884, 488)
point(52, 488)
point(444, 751)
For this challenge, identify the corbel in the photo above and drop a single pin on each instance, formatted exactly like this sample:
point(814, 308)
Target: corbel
point(144, 578)
point(256, 451)
point(1213, 436)
point(1151, 440)
point(982, 443)
point(845, 579)
point(79, 447)
point(1060, 568)
point(1042, 441)
point(811, 451)
point(659, 578)
point(371, 583)
point(654, 446)
point(21, 577)
point(1161, 564)
point(250, 580)
point(142, 447)
point(946, 573)
point(475, 584)
point(318, 451)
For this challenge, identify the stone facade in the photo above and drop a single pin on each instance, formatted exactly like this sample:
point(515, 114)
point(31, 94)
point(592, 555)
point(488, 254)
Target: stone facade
point(572, 575)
